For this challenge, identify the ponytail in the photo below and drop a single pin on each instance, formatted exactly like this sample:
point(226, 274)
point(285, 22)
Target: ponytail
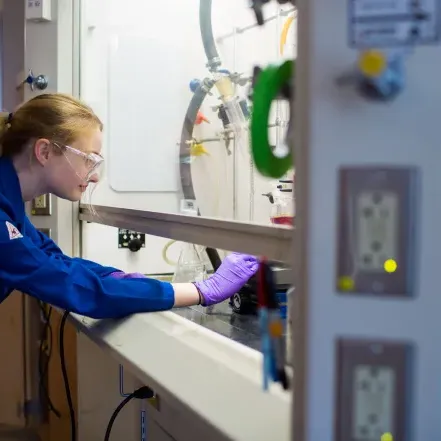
point(5, 124)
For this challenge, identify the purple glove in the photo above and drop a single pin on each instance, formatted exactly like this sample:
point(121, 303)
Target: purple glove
point(122, 275)
point(235, 271)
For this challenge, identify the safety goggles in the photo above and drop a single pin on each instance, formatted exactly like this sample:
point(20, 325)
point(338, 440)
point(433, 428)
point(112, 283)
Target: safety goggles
point(91, 161)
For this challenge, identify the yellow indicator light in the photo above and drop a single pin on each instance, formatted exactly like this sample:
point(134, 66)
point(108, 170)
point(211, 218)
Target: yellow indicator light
point(387, 437)
point(346, 283)
point(372, 63)
point(390, 266)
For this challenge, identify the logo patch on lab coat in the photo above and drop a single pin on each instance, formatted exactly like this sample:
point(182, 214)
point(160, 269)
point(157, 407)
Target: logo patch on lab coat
point(13, 231)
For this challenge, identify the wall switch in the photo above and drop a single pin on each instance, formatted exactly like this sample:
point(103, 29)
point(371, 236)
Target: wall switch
point(41, 205)
point(373, 389)
point(46, 231)
point(376, 231)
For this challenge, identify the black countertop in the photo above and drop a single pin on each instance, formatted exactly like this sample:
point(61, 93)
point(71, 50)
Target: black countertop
point(221, 319)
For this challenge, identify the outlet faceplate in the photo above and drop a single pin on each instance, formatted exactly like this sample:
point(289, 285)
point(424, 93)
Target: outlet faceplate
point(41, 205)
point(373, 382)
point(376, 231)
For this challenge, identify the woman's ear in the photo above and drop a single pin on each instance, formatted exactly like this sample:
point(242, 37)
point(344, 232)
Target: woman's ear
point(42, 150)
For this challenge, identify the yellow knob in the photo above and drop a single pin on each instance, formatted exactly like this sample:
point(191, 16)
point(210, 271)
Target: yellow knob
point(198, 150)
point(387, 437)
point(372, 63)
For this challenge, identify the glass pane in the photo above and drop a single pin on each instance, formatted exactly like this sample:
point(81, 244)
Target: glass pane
point(235, 318)
point(140, 64)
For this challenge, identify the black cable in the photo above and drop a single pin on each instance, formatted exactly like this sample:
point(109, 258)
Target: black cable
point(46, 336)
point(143, 393)
point(73, 428)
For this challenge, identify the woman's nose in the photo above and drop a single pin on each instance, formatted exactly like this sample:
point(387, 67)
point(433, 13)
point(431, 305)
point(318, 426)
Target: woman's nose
point(94, 178)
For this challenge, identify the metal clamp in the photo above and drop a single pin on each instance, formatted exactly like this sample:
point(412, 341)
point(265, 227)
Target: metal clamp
point(377, 76)
point(40, 81)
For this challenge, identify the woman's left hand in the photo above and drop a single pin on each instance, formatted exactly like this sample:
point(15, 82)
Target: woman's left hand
point(123, 275)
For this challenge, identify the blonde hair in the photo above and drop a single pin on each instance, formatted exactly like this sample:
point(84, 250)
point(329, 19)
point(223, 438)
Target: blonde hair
point(56, 117)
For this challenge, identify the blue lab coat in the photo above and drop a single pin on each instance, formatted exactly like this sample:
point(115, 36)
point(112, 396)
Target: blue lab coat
point(32, 263)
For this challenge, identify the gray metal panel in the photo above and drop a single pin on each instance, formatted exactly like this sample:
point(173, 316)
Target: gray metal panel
point(338, 127)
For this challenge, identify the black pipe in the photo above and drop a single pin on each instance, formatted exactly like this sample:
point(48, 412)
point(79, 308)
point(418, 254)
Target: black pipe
point(214, 258)
point(213, 62)
point(213, 59)
point(187, 135)
point(185, 155)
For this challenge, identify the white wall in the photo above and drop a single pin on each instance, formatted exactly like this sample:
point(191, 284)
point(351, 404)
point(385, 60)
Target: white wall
point(226, 187)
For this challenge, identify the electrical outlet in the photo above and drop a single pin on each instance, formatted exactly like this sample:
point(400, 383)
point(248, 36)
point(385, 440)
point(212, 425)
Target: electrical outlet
point(376, 231)
point(373, 388)
point(41, 205)
point(376, 222)
point(46, 231)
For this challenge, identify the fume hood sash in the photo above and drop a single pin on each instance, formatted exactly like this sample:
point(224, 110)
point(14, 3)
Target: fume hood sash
point(273, 242)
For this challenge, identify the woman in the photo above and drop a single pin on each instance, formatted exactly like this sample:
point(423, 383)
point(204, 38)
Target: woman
point(52, 144)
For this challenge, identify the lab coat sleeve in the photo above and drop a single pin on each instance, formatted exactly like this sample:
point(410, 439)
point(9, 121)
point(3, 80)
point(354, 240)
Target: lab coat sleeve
point(68, 284)
point(49, 246)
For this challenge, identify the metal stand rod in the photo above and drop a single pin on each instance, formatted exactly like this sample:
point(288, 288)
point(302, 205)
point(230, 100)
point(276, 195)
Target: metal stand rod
point(240, 30)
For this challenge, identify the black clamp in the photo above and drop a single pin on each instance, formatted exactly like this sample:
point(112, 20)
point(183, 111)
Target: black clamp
point(257, 8)
point(285, 91)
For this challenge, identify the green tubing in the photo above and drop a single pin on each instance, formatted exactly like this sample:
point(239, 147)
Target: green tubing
point(267, 88)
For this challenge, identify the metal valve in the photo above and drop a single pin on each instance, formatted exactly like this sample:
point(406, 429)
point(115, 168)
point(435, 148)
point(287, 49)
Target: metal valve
point(377, 75)
point(40, 81)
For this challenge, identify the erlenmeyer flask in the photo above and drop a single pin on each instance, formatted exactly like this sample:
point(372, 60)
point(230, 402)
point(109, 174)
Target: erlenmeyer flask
point(191, 266)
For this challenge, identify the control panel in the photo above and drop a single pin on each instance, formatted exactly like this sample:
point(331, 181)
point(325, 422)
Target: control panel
point(376, 230)
point(367, 155)
point(372, 390)
point(130, 239)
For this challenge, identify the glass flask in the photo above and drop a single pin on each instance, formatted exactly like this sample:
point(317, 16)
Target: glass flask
point(191, 265)
point(282, 203)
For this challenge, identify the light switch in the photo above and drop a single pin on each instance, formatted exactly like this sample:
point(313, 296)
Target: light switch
point(373, 390)
point(376, 231)
point(41, 205)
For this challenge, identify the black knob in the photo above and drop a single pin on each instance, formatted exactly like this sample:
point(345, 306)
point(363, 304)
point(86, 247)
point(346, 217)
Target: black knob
point(257, 7)
point(135, 245)
point(270, 197)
